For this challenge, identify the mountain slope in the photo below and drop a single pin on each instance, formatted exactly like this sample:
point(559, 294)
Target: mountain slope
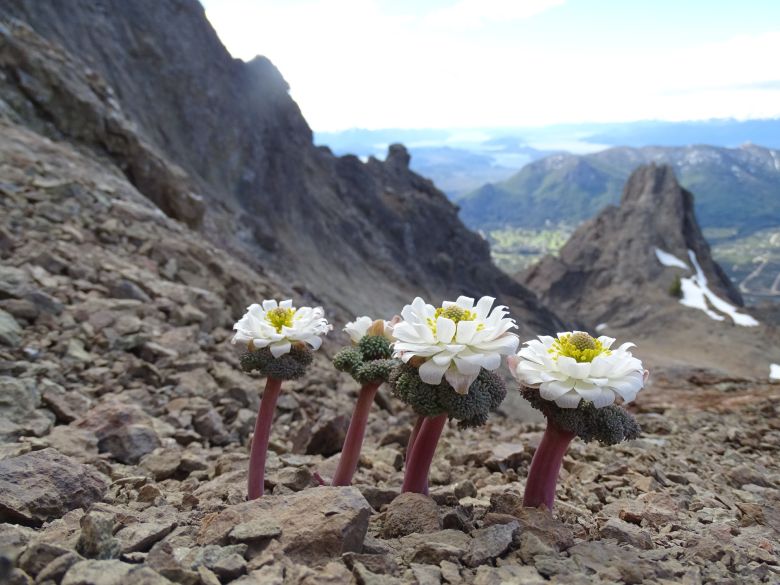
point(735, 187)
point(644, 271)
point(148, 85)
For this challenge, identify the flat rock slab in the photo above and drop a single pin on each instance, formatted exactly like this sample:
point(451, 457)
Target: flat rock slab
point(317, 524)
point(44, 485)
point(111, 572)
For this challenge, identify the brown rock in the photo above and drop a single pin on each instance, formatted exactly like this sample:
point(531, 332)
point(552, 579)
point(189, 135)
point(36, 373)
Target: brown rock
point(537, 520)
point(45, 484)
point(410, 513)
point(316, 523)
point(625, 532)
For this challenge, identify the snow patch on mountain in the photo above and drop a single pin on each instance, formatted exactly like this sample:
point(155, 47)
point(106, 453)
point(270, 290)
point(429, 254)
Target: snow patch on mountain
point(667, 259)
point(696, 294)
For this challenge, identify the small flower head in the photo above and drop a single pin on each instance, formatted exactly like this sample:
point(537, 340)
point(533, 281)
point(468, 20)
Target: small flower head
point(278, 326)
point(454, 341)
point(575, 366)
point(363, 326)
point(369, 359)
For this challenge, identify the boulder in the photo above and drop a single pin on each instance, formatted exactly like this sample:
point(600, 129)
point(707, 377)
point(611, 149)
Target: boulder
point(42, 485)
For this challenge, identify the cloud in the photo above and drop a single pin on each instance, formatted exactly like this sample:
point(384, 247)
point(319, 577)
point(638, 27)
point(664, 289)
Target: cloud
point(370, 64)
point(477, 13)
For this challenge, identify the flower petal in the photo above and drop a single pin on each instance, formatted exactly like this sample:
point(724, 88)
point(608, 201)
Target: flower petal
point(606, 398)
point(571, 367)
point(466, 331)
point(432, 373)
point(459, 381)
point(445, 329)
point(555, 389)
point(570, 400)
point(280, 348)
point(483, 307)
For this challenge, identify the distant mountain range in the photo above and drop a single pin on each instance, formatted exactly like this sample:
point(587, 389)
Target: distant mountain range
point(735, 187)
point(461, 160)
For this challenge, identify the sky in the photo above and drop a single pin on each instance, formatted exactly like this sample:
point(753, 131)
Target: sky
point(508, 63)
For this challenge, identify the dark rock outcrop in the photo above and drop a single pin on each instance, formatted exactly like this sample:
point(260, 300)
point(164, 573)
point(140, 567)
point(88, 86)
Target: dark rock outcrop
point(149, 85)
point(609, 269)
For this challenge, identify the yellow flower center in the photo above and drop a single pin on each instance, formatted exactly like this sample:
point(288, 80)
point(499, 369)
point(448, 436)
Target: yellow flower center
point(455, 314)
point(280, 317)
point(579, 346)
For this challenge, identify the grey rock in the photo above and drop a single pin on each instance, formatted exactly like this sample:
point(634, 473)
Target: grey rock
point(508, 574)
point(10, 330)
point(72, 441)
point(130, 443)
point(489, 543)
point(435, 547)
point(67, 406)
point(227, 562)
point(39, 554)
point(382, 564)
point(426, 574)
point(141, 536)
point(126, 289)
point(627, 533)
point(43, 485)
point(56, 569)
point(96, 540)
point(256, 529)
point(162, 463)
point(111, 572)
point(210, 426)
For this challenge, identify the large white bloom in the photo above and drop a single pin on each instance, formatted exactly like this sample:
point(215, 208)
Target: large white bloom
point(365, 325)
point(279, 325)
point(576, 366)
point(455, 340)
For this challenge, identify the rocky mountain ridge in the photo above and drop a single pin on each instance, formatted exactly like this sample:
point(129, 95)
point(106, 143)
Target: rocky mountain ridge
point(148, 86)
point(644, 270)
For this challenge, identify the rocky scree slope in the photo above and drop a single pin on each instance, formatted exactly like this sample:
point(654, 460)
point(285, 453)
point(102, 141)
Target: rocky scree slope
point(615, 271)
point(219, 144)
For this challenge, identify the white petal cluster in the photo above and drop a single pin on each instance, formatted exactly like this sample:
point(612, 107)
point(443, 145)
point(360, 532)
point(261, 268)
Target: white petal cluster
point(456, 340)
point(279, 325)
point(566, 381)
point(359, 328)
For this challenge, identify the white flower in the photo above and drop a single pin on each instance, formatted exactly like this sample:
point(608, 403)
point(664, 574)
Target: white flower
point(576, 366)
point(455, 340)
point(365, 325)
point(279, 325)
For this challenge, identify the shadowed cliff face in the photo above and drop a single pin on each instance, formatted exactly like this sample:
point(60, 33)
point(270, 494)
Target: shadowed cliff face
point(363, 237)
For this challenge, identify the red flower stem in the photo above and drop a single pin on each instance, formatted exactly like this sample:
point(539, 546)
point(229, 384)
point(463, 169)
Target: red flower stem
point(545, 466)
point(410, 445)
point(421, 457)
point(413, 436)
point(260, 438)
point(353, 443)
